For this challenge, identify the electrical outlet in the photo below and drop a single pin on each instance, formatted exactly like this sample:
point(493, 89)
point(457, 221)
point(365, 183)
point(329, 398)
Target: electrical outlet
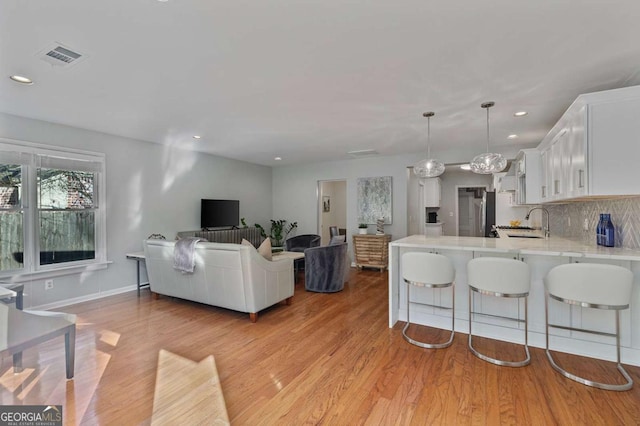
point(48, 284)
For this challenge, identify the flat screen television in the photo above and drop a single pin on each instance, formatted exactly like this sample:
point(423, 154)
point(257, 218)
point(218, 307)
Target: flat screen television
point(219, 213)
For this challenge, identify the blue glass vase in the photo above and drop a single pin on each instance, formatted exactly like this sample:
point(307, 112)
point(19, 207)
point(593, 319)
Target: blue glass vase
point(600, 230)
point(609, 232)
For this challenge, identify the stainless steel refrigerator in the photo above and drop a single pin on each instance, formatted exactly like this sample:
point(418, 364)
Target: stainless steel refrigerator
point(488, 213)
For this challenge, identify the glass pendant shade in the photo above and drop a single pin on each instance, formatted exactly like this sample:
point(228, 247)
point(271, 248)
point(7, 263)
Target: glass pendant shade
point(488, 163)
point(429, 167)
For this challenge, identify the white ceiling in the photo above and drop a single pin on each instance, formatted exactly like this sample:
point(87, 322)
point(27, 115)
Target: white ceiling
point(311, 80)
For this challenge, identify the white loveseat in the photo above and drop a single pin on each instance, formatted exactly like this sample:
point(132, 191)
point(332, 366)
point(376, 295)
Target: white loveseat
point(231, 276)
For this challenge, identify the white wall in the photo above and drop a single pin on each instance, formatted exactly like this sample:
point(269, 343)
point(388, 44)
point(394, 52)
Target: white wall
point(151, 188)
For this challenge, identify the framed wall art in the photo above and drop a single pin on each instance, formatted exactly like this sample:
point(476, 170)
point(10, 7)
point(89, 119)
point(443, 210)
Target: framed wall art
point(375, 200)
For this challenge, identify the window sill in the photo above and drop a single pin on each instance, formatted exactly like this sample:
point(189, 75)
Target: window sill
point(57, 272)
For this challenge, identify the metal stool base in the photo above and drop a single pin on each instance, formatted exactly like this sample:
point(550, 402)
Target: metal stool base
point(426, 345)
point(487, 358)
point(500, 362)
point(453, 319)
point(606, 386)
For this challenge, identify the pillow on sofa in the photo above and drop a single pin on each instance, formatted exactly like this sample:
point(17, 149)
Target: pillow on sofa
point(264, 249)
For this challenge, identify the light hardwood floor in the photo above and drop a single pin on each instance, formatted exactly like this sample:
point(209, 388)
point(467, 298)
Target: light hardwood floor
point(326, 359)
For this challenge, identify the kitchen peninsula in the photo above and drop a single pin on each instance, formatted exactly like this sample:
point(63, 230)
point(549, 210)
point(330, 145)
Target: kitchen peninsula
point(542, 255)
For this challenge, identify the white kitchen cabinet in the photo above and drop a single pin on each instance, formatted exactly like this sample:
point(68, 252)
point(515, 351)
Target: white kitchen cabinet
point(545, 174)
point(559, 162)
point(593, 148)
point(433, 229)
point(527, 170)
point(577, 154)
point(432, 191)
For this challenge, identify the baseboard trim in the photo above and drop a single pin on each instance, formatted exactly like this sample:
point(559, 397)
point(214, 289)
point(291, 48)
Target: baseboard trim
point(87, 298)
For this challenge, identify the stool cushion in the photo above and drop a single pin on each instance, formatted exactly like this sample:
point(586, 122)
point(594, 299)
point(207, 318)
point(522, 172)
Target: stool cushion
point(591, 283)
point(499, 275)
point(427, 268)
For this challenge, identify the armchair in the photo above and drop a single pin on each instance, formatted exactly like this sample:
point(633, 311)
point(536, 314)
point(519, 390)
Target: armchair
point(301, 242)
point(326, 268)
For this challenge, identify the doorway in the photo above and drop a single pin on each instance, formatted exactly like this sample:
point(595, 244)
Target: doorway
point(332, 207)
point(469, 206)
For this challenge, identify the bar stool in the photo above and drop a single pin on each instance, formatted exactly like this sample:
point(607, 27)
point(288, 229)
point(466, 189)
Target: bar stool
point(590, 285)
point(429, 270)
point(499, 277)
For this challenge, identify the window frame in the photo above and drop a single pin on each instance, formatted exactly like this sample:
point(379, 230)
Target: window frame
point(31, 156)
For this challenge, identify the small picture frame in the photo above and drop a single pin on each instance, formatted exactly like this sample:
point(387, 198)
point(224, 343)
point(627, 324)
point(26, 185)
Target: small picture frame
point(326, 204)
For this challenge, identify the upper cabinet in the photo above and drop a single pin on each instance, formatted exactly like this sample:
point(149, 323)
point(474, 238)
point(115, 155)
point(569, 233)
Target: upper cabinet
point(432, 192)
point(592, 149)
point(527, 177)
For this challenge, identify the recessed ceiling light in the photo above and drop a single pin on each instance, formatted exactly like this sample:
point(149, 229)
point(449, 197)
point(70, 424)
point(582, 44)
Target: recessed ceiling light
point(465, 166)
point(520, 114)
point(21, 79)
point(197, 137)
point(512, 136)
point(278, 158)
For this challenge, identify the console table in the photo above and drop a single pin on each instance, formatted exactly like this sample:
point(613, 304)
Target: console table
point(138, 257)
point(372, 250)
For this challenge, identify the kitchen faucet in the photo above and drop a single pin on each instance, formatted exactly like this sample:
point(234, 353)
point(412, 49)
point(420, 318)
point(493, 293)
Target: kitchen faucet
point(547, 232)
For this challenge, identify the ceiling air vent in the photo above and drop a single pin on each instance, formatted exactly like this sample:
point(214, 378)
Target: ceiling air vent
point(59, 55)
point(363, 153)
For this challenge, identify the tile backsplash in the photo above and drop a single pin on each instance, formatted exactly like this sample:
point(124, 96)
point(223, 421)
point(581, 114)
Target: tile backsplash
point(567, 220)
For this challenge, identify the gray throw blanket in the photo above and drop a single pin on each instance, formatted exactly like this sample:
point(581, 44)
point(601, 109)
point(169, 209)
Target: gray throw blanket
point(184, 255)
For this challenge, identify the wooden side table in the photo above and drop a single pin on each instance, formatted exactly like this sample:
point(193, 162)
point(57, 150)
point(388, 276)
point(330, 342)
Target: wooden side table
point(372, 251)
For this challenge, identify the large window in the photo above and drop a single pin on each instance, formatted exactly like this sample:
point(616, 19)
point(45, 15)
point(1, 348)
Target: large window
point(51, 212)
point(11, 217)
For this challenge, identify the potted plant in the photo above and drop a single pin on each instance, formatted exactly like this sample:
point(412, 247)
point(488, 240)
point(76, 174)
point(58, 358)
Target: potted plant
point(363, 228)
point(278, 232)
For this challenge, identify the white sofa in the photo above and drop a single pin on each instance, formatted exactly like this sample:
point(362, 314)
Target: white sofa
point(231, 276)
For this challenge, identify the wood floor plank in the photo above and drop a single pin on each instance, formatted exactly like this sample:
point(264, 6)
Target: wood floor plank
point(326, 359)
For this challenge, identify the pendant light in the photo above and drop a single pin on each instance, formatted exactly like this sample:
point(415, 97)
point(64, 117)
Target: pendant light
point(488, 162)
point(429, 167)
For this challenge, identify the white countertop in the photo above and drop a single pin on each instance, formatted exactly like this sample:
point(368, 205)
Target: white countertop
point(548, 247)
